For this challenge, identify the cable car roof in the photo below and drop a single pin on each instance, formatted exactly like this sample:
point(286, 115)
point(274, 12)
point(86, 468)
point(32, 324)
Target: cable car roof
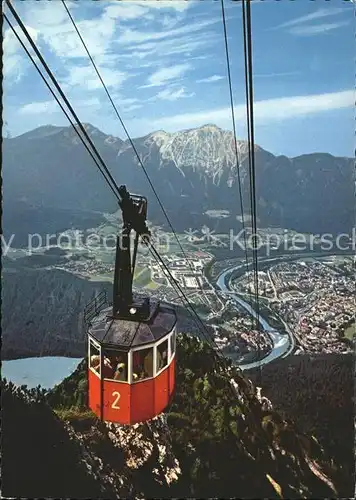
point(125, 334)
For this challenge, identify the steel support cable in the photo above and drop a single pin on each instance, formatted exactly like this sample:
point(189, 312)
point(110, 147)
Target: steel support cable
point(218, 355)
point(252, 149)
point(247, 94)
point(58, 101)
point(175, 284)
point(68, 117)
point(219, 359)
point(157, 257)
point(235, 134)
point(234, 125)
point(247, 38)
point(131, 141)
point(113, 184)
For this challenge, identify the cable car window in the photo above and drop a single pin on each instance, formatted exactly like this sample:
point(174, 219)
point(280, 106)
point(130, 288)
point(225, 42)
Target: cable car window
point(142, 364)
point(115, 365)
point(162, 355)
point(94, 354)
point(173, 343)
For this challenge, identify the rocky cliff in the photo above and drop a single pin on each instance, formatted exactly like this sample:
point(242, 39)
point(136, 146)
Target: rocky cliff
point(193, 171)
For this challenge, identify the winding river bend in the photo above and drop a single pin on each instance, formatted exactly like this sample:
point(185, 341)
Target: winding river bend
point(283, 344)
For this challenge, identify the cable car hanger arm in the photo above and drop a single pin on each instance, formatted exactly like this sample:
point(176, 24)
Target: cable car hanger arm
point(134, 213)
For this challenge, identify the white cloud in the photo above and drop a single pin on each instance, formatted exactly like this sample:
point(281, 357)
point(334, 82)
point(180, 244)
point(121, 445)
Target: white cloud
point(51, 21)
point(299, 26)
point(130, 36)
point(128, 9)
point(318, 14)
point(85, 108)
point(125, 104)
point(51, 107)
point(132, 107)
point(86, 77)
point(265, 111)
point(15, 63)
point(315, 29)
point(164, 75)
point(199, 58)
point(97, 33)
point(291, 107)
point(108, 42)
point(172, 95)
point(168, 22)
point(35, 108)
point(102, 30)
point(159, 49)
point(123, 100)
point(274, 75)
point(186, 44)
point(13, 67)
point(10, 42)
point(210, 79)
point(125, 11)
point(178, 5)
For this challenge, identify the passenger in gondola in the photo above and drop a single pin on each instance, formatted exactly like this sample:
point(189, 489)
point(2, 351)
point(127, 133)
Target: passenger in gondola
point(120, 372)
point(119, 366)
point(108, 370)
point(136, 365)
point(148, 364)
point(161, 359)
point(164, 358)
point(95, 362)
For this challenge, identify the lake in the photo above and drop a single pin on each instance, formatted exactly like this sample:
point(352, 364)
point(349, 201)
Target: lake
point(47, 371)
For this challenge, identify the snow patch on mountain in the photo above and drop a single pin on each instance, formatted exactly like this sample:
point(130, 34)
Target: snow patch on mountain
point(208, 150)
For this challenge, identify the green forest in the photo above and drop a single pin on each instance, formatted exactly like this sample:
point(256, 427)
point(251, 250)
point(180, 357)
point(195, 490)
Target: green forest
point(54, 301)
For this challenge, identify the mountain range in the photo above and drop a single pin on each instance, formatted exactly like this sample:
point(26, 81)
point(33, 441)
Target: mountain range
point(47, 171)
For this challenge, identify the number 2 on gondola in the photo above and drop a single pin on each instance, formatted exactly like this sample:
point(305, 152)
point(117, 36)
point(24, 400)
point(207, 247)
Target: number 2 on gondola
point(115, 405)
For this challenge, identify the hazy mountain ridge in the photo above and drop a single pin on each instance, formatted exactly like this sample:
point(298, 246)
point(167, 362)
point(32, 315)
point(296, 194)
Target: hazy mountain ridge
point(43, 312)
point(192, 171)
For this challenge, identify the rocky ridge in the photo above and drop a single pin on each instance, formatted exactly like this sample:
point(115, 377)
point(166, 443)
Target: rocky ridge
point(193, 171)
point(211, 441)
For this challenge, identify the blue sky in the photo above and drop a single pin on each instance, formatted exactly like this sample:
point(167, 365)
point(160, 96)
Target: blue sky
point(165, 65)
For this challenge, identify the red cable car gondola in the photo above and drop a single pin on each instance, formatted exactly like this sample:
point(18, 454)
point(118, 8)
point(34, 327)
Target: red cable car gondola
point(131, 346)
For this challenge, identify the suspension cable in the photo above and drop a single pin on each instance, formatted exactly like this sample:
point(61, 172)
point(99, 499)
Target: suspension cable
point(155, 253)
point(252, 147)
point(49, 72)
point(58, 102)
point(175, 284)
point(235, 142)
point(158, 258)
point(218, 360)
point(247, 38)
point(234, 126)
point(132, 143)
